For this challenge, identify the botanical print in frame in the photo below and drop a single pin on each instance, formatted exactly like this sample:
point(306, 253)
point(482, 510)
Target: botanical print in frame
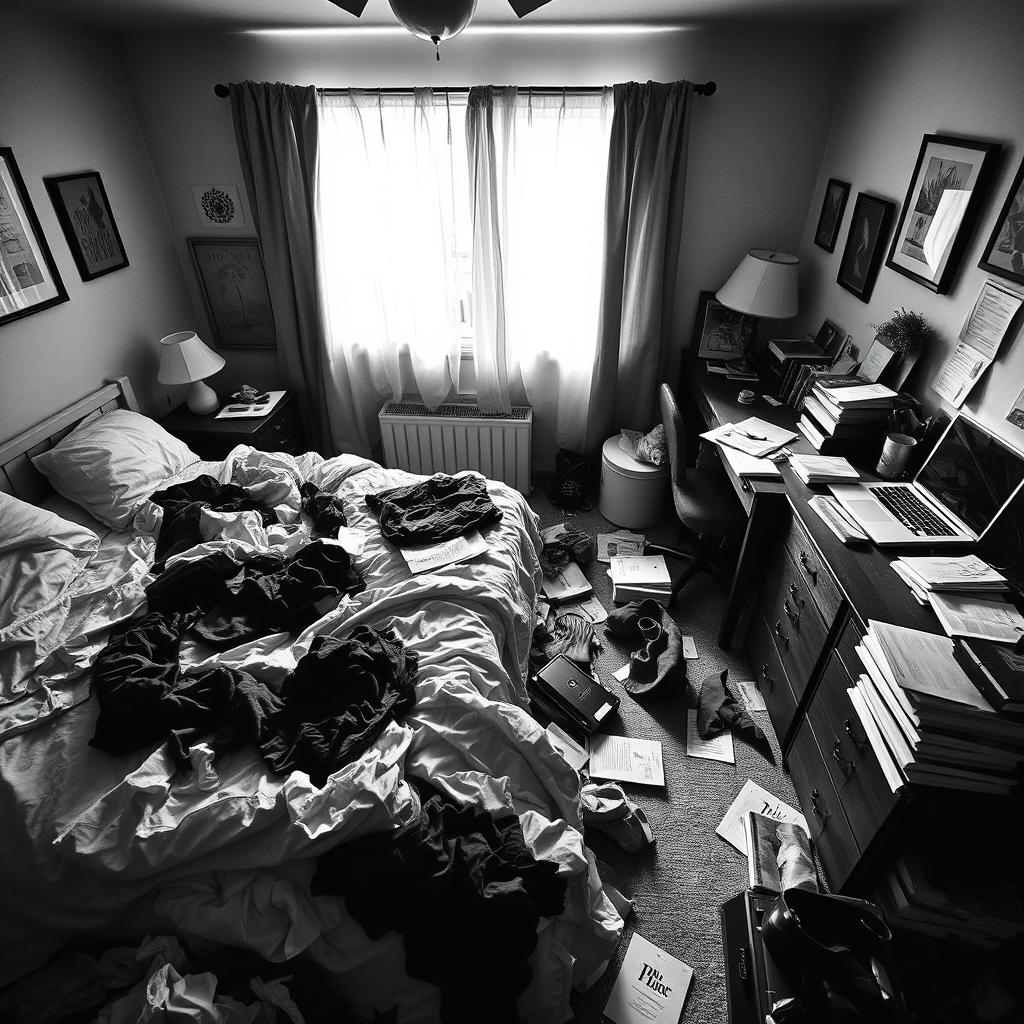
point(1004, 254)
point(832, 208)
point(29, 280)
point(865, 243)
point(234, 286)
point(949, 181)
point(717, 331)
point(84, 214)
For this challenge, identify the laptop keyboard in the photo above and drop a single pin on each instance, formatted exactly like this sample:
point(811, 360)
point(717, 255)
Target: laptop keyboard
point(911, 511)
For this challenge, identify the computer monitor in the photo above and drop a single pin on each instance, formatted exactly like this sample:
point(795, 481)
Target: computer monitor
point(972, 473)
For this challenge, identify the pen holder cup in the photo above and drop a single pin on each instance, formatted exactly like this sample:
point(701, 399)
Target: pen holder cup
point(895, 453)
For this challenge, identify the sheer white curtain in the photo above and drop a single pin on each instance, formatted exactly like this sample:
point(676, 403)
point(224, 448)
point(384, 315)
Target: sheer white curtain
point(538, 169)
point(390, 214)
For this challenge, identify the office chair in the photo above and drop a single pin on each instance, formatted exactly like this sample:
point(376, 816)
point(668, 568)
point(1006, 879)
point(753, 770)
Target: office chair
point(704, 500)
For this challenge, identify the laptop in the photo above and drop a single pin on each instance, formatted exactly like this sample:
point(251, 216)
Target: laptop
point(967, 480)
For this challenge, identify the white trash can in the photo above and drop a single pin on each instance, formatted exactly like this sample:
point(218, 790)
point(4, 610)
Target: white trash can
point(632, 493)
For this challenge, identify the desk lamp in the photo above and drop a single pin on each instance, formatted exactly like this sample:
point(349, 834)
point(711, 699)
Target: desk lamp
point(763, 286)
point(184, 359)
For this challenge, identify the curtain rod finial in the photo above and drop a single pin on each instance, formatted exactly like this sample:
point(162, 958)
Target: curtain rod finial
point(221, 90)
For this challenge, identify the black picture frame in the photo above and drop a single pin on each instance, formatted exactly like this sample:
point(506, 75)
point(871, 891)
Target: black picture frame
point(716, 332)
point(234, 286)
point(1004, 253)
point(35, 284)
point(83, 210)
point(865, 244)
point(944, 163)
point(833, 206)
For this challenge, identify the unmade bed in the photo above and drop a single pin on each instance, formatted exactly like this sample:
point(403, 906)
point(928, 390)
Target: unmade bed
point(222, 848)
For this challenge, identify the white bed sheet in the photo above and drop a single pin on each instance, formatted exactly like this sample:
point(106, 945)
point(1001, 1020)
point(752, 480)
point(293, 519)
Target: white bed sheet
point(99, 835)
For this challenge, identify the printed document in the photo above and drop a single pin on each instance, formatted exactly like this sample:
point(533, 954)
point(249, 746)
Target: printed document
point(753, 797)
point(717, 748)
point(753, 435)
point(651, 986)
point(427, 557)
point(978, 343)
point(589, 608)
point(621, 542)
point(567, 584)
point(747, 691)
point(964, 615)
point(627, 760)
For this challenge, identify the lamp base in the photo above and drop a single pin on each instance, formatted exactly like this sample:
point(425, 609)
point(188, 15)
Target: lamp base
point(202, 399)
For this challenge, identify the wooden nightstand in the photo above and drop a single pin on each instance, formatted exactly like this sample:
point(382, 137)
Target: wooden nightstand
point(279, 431)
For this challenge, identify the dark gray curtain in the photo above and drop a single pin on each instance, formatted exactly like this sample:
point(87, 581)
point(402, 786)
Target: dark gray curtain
point(644, 213)
point(276, 132)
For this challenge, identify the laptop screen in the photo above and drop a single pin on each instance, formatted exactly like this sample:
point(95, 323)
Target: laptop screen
point(972, 474)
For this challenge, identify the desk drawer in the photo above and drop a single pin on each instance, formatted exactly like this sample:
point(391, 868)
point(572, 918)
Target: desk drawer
point(771, 676)
point(820, 584)
point(795, 623)
point(858, 780)
point(826, 821)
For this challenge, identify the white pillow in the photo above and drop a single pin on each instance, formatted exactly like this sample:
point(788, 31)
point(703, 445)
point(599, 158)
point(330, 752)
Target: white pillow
point(41, 555)
point(110, 465)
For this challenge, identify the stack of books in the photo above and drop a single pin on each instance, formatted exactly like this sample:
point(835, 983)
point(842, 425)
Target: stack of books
point(785, 355)
point(842, 416)
point(967, 574)
point(823, 469)
point(638, 577)
point(799, 380)
point(926, 720)
point(955, 900)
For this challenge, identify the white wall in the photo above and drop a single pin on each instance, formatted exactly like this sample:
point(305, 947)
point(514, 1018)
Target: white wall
point(755, 146)
point(945, 67)
point(66, 108)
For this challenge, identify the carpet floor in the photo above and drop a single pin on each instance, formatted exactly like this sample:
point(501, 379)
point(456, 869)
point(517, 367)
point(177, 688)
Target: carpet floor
point(679, 884)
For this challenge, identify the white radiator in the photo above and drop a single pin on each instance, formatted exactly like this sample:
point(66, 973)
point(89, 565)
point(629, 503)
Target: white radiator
point(457, 437)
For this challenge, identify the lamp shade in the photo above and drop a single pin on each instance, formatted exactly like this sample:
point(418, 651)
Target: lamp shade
point(184, 359)
point(764, 284)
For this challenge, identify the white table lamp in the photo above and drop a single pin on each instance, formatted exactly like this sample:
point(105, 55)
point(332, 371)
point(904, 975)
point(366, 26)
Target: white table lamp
point(184, 359)
point(763, 285)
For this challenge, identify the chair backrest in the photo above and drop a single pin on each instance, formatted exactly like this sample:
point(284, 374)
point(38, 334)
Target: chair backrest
point(675, 434)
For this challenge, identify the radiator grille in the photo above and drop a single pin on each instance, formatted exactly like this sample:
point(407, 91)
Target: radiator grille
point(457, 437)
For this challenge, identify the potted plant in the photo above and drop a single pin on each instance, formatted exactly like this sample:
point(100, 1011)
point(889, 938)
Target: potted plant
point(903, 337)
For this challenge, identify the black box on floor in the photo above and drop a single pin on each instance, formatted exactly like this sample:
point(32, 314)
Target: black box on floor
point(565, 691)
point(753, 982)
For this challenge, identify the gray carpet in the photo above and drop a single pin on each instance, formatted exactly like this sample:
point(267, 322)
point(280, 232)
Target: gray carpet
point(679, 884)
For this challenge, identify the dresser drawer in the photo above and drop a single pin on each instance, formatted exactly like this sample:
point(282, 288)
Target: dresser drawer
point(820, 584)
point(771, 676)
point(282, 435)
point(830, 831)
point(852, 766)
point(794, 621)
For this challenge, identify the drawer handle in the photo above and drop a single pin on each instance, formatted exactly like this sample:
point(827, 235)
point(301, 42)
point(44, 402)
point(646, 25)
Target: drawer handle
point(782, 636)
point(813, 573)
point(768, 677)
point(793, 616)
point(846, 764)
point(795, 594)
point(820, 811)
point(861, 743)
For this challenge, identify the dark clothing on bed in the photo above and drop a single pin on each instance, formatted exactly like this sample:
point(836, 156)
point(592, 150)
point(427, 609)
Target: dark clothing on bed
point(435, 510)
point(183, 506)
point(273, 594)
point(466, 893)
point(338, 700)
point(326, 510)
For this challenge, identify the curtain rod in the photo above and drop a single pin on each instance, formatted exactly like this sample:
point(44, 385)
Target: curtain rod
point(702, 89)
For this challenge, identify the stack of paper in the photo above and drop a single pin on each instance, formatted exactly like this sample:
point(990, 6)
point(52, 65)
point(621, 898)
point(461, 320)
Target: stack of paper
point(926, 720)
point(823, 469)
point(838, 415)
point(637, 577)
point(753, 436)
point(967, 574)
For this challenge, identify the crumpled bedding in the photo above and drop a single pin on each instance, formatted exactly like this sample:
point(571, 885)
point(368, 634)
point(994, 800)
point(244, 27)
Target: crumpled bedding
point(225, 851)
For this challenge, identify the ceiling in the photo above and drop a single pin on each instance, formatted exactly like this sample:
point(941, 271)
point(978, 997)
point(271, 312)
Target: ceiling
point(162, 15)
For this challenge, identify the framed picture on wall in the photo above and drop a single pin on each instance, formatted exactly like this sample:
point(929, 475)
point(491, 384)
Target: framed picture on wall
point(949, 182)
point(716, 334)
point(234, 287)
point(84, 214)
point(1004, 254)
point(865, 244)
point(831, 216)
point(29, 280)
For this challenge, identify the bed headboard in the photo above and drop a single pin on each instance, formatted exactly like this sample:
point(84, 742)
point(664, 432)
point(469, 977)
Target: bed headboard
point(17, 474)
